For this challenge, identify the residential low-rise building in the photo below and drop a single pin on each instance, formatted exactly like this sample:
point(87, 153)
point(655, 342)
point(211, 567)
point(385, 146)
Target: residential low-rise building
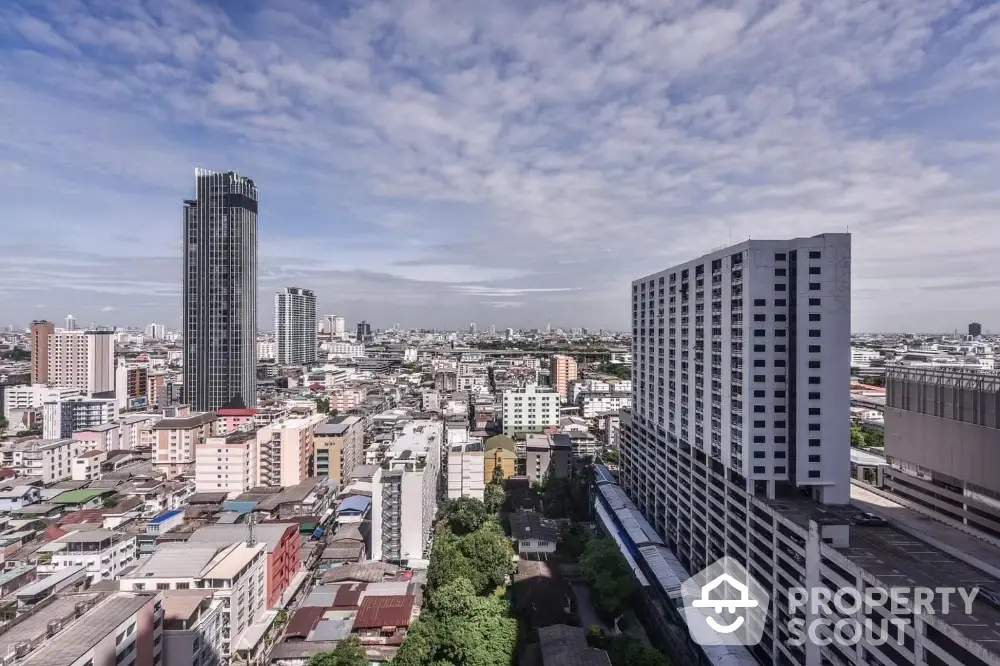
point(105, 553)
point(123, 628)
point(61, 419)
point(236, 573)
point(287, 459)
point(529, 409)
point(177, 440)
point(230, 463)
point(466, 471)
point(192, 628)
point(593, 405)
point(105, 437)
point(339, 447)
point(87, 465)
point(500, 451)
point(33, 396)
point(50, 460)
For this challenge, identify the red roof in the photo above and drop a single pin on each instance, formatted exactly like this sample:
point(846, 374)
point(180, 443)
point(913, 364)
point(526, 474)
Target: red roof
point(349, 595)
point(304, 621)
point(83, 516)
point(7, 473)
point(53, 533)
point(384, 611)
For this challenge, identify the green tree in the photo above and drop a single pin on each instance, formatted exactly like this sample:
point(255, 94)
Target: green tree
point(494, 497)
point(448, 563)
point(874, 438)
point(629, 651)
point(475, 631)
point(465, 515)
point(609, 576)
point(349, 652)
point(421, 643)
point(858, 436)
point(497, 475)
point(4, 424)
point(322, 405)
point(492, 554)
point(610, 456)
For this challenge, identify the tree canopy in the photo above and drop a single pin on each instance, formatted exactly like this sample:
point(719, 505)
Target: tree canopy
point(349, 652)
point(494, 497)
point(609, 576)
point(465, 515)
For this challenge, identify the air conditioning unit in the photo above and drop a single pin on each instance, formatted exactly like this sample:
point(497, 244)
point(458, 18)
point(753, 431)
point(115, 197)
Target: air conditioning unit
point(21, 648)
point(53, 627)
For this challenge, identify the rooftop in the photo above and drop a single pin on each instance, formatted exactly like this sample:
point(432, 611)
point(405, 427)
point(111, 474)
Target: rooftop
point(66, 647)
point(176, 560)
point(35, 627)
point(181, 604)
point(380, 611)
point(182, 422)
point(79, 496)
point(416, 437)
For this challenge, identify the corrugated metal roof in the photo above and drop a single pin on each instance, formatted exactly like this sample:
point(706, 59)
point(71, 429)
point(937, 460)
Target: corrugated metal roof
point(388, 611)
point(354, 504)
point(332, 630)
point(303, 622)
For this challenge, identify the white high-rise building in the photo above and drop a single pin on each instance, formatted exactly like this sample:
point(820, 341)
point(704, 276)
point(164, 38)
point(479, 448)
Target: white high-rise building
point(740, 380)
point(156, 331)
point(83, 360)
point(531, 408)
point(466, 465)
point(334, 326)
point(295, 326)
point(70, 323)
point(472, 328)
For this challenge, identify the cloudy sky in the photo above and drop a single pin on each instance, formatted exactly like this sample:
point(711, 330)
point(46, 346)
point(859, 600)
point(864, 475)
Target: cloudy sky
point(433, 162)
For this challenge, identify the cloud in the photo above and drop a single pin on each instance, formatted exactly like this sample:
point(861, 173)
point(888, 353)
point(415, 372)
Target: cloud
point(430, 162)
point(108, 308)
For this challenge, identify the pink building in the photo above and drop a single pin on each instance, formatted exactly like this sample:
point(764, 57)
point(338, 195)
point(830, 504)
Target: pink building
point(176, 439)
point(228, 420)
point(346, 399)
point(103, 437)
point(230, 463)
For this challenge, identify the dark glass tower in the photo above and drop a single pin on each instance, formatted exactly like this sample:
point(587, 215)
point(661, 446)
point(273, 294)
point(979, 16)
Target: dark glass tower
point(220, 292)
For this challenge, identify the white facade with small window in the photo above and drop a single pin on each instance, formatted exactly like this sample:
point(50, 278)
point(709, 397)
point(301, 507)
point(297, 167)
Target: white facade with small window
point(529, 409)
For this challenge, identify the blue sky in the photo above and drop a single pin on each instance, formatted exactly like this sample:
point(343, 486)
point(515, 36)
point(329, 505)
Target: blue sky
point(438, 162)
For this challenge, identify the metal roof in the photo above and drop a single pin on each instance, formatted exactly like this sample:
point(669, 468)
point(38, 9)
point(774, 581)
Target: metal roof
point(354, 504)
point(384, 611)
point(632, 521)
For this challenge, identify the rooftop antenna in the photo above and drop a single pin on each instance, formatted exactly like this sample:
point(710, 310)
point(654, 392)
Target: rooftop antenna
point(251, 531)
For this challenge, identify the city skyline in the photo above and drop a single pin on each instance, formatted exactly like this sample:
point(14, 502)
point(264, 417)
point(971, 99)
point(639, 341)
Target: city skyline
point(463, 169)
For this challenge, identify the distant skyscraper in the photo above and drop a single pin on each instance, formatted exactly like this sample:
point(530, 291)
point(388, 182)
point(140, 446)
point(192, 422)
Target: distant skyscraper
point(975, 329)
point(563, 370)
point(220, 292)
point(334, 326)
point(472, 328)
point(156, 331)
point(40, 338)
point(295, 326)
point(364, 331)
point(509, 334)
point(493, 329)
point(70, 323)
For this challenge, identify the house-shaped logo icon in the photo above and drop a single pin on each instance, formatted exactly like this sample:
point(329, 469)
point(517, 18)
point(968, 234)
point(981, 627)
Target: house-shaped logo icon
point(723, 605)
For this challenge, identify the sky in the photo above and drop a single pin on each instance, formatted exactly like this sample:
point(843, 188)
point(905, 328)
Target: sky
point(434, 163)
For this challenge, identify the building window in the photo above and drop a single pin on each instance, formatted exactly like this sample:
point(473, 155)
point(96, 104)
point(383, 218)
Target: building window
point(759, 332)
point(815, 333)
point(814, 302)
point(815, 254)
point(814, 380)
point(780, 302)
point(779, 470)
point(760, 348)
point(760, 302)
point(779, 256)
point(759, 439)
point(814, 395)
point(779, 333)
point(814, 442)
point(781, 349)
point(780, 455)
point(814, 349)
point(814, 427)
point(814, 270)
point(758, 469)
point(815, 458)
point(779, 424)
point(814, 474)
point(760, 317)
point(779, 272)
point(779, 287)
point(814, 286)
point(814, 364)
point(759, 378)
point(780, 379)
point(759, 454)
point(759, 393)
point(759, 363)
point(814, 316)
point(814, 411)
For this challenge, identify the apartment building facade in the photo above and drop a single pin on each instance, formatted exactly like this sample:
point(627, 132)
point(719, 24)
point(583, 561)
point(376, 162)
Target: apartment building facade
point(740, 392)
point(51, 460)
point(405, 492)
point(295, 326)
point(563, 369)
point(41, 331)
point(105, 553)
point(60, 419)
point(339, 447)
point(287, 459)
point(83, 360)
point(466, 470)
point(230, 463)
point(531, 408)
point(176, 441)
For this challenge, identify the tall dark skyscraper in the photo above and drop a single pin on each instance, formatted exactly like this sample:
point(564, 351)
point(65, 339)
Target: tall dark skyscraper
point(220, 292)
point(364, 331)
